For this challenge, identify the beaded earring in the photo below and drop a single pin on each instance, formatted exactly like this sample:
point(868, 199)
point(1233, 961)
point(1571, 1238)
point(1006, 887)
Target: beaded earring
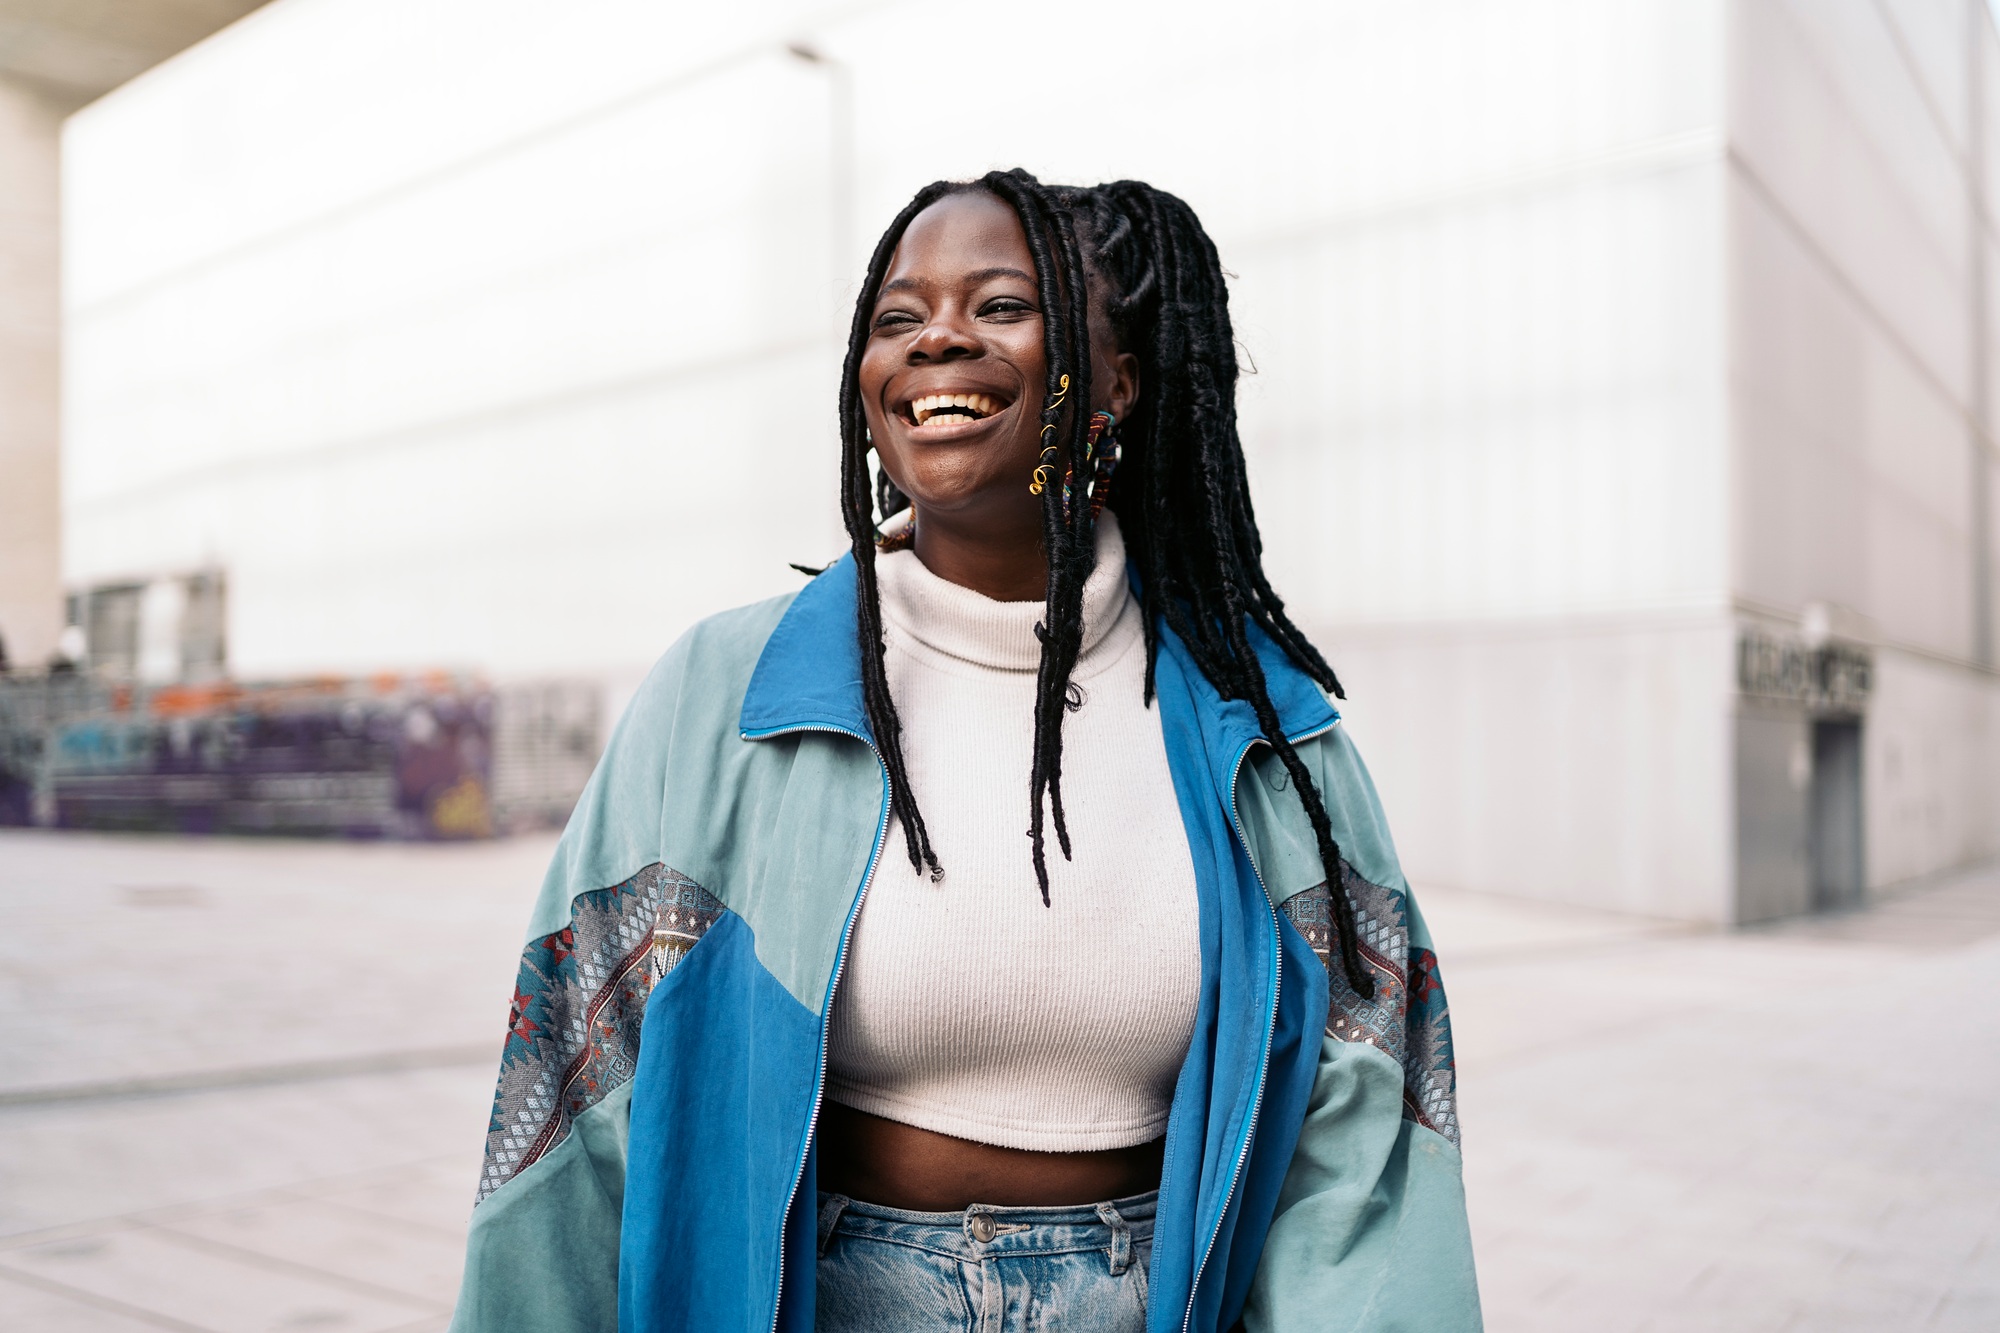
point(1102, 445)
point(1100, 453)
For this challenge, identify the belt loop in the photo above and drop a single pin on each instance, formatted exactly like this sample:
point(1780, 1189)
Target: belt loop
point(1121, 1239)
point(829, 1216)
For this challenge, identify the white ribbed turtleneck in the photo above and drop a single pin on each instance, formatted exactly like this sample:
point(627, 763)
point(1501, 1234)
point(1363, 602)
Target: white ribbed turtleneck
point(967, 1007)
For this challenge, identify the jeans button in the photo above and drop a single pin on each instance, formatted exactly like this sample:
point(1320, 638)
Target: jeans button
point(982, 1227)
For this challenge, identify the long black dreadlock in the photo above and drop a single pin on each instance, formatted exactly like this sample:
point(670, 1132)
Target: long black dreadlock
point(1182, 499)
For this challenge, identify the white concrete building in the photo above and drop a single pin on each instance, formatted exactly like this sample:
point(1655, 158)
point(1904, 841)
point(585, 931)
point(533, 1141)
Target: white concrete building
point(1621, 426)
point(54, 57)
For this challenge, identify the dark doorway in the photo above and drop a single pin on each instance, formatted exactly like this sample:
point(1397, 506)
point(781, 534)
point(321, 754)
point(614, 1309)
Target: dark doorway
point(1837, 874)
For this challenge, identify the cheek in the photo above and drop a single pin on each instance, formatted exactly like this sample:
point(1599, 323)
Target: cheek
point(1032, 362)
point(1024, 349)
point(877, 364)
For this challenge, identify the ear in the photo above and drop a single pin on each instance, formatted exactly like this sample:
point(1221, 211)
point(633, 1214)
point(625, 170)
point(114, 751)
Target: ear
point(1114, 374)
point(1121, 385)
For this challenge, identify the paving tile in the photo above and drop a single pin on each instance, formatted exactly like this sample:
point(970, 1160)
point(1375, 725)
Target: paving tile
point(36, 1309)
point(70, 1164)
point(1968, 1310)
point(397, 1258)
point(1585, 1304)
point(145, 1269)
point(305, 923)
point(431, 1323)
point(1763, 1315)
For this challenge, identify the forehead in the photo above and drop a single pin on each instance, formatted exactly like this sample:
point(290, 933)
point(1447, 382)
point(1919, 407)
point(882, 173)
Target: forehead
point(960, 234)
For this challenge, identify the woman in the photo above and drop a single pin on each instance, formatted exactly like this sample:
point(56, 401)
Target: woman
point(808, 1034)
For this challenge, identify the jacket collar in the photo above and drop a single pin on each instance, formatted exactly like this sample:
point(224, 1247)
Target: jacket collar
point(809, 674)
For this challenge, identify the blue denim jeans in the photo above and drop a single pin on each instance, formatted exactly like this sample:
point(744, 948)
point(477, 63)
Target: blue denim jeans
point(985, 1270)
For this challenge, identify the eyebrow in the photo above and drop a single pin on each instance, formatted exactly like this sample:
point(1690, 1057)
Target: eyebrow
point(979, 276)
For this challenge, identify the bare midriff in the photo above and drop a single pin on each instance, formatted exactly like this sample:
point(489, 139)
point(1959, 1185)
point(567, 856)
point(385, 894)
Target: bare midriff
point(900, 1166)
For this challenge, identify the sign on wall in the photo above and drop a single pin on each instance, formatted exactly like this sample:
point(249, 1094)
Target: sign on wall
point(1826, 678)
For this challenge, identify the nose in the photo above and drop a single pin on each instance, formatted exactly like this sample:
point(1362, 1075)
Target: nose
point(948, 336)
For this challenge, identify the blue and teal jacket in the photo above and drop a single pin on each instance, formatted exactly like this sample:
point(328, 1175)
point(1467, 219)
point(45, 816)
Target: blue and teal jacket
point(650, 1161)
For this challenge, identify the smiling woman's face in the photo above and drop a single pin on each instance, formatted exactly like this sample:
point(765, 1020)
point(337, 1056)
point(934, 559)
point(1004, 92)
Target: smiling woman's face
point(952, 379)
point(952, 375)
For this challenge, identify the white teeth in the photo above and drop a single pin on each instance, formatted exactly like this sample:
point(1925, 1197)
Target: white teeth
point(923, 408)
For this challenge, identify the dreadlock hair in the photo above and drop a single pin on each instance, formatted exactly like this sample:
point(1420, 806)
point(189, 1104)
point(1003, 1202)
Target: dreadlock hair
point(1182, 498)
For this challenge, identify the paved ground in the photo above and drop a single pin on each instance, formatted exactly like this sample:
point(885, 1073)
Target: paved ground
point(232, 1098)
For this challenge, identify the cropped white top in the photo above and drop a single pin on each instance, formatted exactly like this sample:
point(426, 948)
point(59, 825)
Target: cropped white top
point(967, 1007)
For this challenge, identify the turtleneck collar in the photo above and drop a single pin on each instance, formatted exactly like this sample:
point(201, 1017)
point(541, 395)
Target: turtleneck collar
point(1000, 635)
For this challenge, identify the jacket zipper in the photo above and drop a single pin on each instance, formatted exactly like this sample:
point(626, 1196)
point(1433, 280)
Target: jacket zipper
point(1270, 1026)
point(826, 1009)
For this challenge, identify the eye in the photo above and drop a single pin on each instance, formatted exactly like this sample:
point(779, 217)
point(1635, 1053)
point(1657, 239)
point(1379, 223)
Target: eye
point(889, 320)
point(1006, 308)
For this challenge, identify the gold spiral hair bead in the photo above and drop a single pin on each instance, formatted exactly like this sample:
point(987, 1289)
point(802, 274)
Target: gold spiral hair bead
point(1045, 471)
point(1054, 403)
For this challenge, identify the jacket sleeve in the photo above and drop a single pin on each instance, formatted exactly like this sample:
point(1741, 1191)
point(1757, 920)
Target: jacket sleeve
point(542, 1249)
point(1370, 1234)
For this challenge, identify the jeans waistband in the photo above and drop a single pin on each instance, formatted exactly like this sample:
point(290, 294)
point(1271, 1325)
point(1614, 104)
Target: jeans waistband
point(991, 1231)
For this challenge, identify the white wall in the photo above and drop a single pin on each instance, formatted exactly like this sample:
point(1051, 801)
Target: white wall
point(1931, 757)
point(436, 376)
point(446, 361)
point(497, 335)
point(1856, 382)
point(1580, 760)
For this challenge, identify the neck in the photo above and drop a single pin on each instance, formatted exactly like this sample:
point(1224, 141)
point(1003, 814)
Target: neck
point(1007, 565)
point(960, 622)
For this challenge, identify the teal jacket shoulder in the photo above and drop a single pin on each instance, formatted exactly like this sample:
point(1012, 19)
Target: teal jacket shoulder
point(683, 713)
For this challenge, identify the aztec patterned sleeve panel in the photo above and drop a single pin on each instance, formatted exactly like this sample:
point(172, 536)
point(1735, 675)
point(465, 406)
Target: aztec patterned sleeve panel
point(573, 1028)
point(1408, 1017)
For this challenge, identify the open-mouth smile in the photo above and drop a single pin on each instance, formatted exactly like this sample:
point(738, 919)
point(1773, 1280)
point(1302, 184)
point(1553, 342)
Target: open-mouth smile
point(939, 410)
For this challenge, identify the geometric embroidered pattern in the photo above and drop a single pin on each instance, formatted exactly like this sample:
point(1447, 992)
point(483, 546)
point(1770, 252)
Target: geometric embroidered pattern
point(1408, 1016)
point(573, 1028)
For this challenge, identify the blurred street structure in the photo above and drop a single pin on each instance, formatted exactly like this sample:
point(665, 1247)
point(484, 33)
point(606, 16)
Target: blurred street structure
point(431, 756)
point(225, 1121)
point(143, 728)
point(1622, 424)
